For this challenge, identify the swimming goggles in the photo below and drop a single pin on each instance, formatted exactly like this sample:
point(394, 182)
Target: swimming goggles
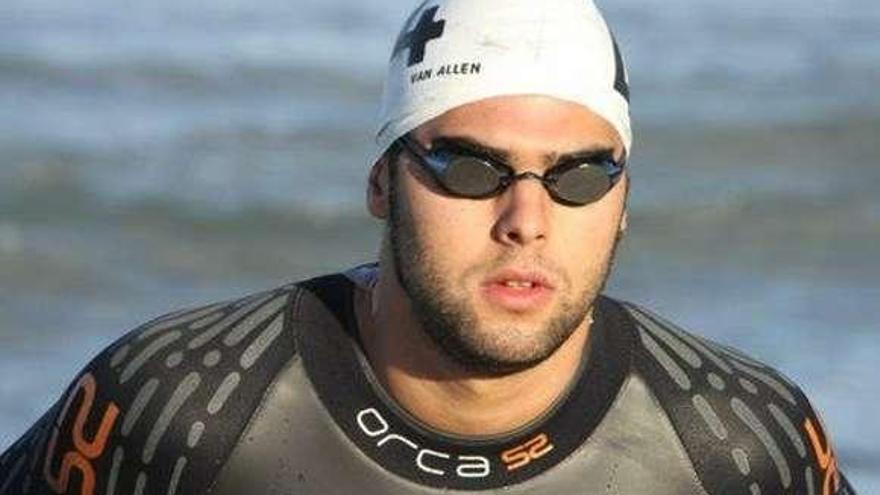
point(469, 174)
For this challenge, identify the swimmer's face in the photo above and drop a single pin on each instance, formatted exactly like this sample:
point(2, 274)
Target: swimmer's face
point(501, 283)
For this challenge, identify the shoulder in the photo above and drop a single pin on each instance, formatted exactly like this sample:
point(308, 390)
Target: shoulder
point(162, 406)
point(746, 427)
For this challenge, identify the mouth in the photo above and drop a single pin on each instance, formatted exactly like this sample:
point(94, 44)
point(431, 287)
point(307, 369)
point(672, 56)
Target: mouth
point(519, 279)
point(518, 291)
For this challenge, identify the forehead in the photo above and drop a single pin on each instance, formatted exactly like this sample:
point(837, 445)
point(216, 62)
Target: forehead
point(525, 125)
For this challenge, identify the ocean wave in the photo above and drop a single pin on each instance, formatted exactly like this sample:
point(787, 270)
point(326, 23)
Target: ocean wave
point(171, 76)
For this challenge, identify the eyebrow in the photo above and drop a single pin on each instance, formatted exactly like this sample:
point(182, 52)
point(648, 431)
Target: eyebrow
point(472, 146)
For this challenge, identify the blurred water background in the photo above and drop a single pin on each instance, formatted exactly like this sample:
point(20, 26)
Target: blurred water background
point(156, 155)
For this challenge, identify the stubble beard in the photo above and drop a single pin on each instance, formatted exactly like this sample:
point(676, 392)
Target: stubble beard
point(452, 324)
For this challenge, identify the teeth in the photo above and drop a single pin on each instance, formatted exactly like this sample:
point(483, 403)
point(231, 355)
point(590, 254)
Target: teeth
point(518, 284)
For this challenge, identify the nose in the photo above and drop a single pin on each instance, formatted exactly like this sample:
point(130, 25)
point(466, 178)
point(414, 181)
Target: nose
point(523, 213)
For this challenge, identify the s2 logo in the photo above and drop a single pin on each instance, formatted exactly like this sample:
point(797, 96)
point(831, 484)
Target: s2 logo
point(85, 450)
point(522, 455)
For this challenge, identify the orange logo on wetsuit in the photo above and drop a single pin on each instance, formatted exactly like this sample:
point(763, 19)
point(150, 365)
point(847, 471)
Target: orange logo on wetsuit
point(85, 450)
point(529, 451)
point(825, 456)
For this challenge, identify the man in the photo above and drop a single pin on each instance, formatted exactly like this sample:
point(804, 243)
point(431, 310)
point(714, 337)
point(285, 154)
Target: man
point(478, 353)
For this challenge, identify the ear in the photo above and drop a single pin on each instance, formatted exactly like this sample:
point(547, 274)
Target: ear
point(378, 188)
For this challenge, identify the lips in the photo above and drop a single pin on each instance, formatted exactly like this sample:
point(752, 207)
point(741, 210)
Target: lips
point(518, 290)
point(520, 279)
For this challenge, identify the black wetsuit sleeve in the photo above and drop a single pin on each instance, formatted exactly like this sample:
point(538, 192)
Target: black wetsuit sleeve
point(20, 464)
point(745, 426)
point(160, 410)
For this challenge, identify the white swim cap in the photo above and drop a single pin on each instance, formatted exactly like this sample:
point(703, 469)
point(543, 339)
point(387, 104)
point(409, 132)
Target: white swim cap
point(453, 52)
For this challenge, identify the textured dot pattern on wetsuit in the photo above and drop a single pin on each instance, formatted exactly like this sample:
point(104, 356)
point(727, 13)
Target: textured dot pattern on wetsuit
point(158, 411)
point(736, 415)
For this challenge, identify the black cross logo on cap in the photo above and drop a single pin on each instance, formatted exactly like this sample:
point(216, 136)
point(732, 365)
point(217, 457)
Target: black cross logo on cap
point(426, 30)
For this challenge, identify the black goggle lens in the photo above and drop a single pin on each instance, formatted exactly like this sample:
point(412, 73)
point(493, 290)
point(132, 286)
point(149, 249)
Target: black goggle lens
point(583, 184)
point(470, 177)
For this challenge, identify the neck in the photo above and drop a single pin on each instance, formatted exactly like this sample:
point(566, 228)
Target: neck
point(438, 391)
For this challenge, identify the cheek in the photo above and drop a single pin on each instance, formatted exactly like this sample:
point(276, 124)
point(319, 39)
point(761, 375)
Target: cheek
point(597, 232)
point(449, 230)
point(587, 237)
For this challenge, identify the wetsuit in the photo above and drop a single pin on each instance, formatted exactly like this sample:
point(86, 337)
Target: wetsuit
point(271, 394)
